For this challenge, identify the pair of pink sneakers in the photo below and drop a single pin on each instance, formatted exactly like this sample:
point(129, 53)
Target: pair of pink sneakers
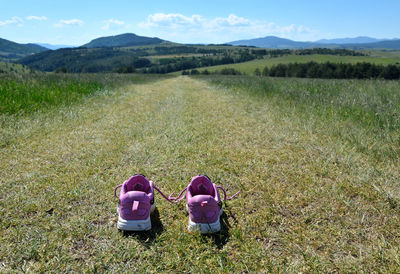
point(136, 202)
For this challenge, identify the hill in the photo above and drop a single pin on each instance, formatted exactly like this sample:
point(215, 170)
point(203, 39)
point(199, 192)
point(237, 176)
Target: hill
point(7, 68)
point(250, 67)
point(123, 40)
point(160, 58)
point(79, 59)
point(10, 50)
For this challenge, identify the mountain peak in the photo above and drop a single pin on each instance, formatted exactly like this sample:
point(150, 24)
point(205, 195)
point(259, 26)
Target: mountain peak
point(123, 40)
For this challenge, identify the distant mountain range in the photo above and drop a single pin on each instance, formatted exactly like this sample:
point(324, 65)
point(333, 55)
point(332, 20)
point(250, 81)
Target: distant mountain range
point(349, 43)
point(272, 42)
point(10, 50)
point(54, 47)
point(387, 44)
point(356, 40)
point(123, 40)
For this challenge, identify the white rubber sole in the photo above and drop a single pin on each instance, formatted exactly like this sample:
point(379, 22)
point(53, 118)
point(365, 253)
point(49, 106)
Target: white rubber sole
point(135, 225)
point(205, 228)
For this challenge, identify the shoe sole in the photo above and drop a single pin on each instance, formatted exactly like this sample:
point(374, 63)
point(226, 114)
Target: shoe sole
point(205, 228)
point(135, 225)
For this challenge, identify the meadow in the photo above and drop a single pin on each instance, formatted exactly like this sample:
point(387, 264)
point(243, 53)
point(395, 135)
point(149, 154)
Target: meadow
point(249, 67)
point(317, 163)
point(25, 92)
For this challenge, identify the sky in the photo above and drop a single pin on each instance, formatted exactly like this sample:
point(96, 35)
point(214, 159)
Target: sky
point(72, 22)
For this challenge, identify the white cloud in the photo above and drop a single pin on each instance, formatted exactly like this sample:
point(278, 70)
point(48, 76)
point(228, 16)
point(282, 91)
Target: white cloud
point(112, 22)
point(171, 20)
point(71, 22)
point(219, 29)
point(13, 21)
point(38, 18)
point(231, 21)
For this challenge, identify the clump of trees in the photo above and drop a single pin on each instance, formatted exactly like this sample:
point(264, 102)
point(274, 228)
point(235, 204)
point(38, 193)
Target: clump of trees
point(325, 51)
point(167, 65)
point(126, 69)
point(330, 70)
point(229, 71)
point(224, 71)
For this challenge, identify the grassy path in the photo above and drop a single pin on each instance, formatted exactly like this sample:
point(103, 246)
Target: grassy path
point(309, 202)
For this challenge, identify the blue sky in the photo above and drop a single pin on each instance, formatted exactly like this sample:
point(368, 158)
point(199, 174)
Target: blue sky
point(75, 22)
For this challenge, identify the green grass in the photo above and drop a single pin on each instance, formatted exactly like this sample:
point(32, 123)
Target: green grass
point(249, 67)
point(27, 93)
point(395, 54)
point(319, 177)
point(364, 114)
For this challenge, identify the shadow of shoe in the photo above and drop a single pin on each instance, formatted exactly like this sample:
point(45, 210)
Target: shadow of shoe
point(147, 238)
point(222, 237)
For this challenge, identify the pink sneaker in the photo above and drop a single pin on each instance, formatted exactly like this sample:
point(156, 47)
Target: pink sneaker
point(136, 202)
point(203, 204)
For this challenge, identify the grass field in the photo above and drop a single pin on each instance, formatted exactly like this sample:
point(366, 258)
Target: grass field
point(317, 162)
point(249, 67)
point(395, 54)
point(24, 93)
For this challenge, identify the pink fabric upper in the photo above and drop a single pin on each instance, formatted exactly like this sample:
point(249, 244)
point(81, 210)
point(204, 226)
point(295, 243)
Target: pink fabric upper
point(135, 197)
point(203, 200)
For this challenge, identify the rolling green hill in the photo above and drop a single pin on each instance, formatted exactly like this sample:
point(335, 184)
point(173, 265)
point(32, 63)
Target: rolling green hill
point(83, 59)
point(163, 58)
point(11, 51)
point(123, 40)
point(169, 57)
point(250, 66)
point(6, 68)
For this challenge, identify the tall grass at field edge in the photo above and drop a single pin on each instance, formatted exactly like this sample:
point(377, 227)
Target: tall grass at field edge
point(357, 107)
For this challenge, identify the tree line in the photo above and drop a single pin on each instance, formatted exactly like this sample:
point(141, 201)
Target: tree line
point(224, 71)
point(168, 65)
point(330, 70)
